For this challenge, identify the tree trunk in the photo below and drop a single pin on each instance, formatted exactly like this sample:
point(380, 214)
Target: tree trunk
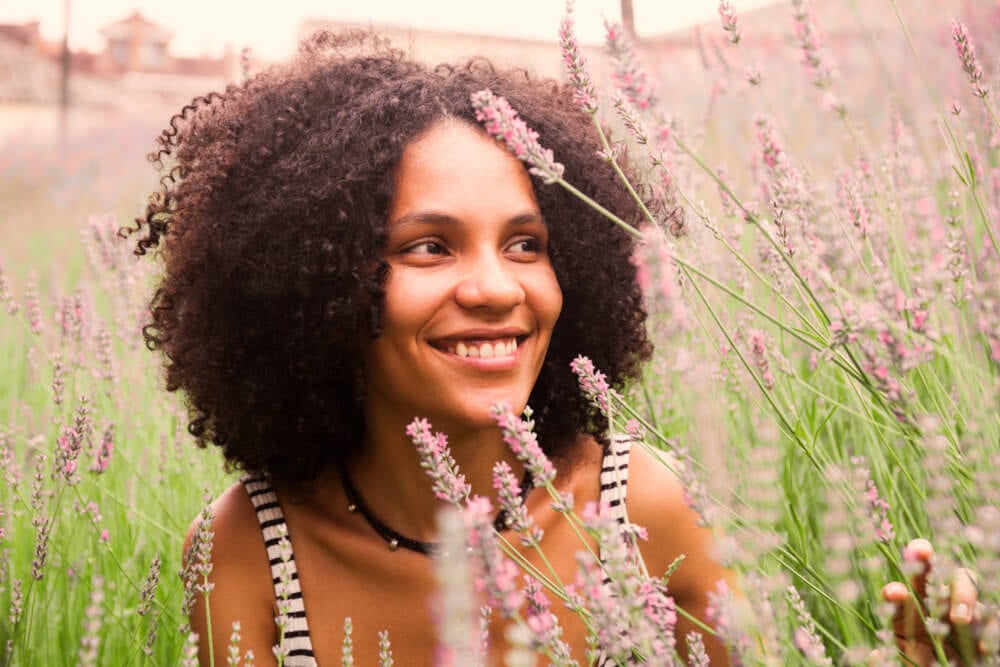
point(628, 19)
point(64, 69)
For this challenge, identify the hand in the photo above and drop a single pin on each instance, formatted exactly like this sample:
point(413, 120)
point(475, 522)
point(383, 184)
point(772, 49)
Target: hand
point(960, 621)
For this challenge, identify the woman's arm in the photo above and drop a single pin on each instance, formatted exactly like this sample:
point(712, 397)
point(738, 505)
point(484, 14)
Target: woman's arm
point(241, 581)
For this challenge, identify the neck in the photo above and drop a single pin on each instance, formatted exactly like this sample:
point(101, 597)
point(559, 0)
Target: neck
point(388, 476)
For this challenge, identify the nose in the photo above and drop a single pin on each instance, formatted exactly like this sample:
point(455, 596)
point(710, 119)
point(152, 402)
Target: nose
point(489, 283)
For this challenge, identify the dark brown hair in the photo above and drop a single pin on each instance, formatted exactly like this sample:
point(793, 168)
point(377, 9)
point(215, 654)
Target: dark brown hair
point(271, 219)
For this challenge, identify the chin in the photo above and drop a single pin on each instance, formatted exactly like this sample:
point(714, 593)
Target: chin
point(477, 416)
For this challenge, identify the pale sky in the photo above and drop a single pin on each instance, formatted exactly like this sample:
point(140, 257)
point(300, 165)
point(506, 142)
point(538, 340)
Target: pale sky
point(270, 28)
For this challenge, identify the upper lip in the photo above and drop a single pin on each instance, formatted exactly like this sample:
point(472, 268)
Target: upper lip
point(483, 334)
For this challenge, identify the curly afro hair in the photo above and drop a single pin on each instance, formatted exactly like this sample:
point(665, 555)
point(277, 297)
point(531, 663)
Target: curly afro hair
point(270, 220)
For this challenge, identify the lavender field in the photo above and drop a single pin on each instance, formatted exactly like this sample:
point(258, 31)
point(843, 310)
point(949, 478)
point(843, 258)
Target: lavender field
point(822, 267)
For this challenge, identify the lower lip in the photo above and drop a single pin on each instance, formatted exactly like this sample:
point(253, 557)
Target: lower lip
point(488, 364)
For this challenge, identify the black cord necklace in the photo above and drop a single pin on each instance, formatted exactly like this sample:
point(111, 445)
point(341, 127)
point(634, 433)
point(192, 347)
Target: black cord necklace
point(394, 539)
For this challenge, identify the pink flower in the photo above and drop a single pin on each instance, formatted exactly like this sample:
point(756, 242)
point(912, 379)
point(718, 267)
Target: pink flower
point(877, 507)
point(501, 122)
point(499, 574)
point(518, 435)
point(105, 536)
point(511, 501)
point(628, 75)
point(729, 21)
point(436, 459)
point(104, 451)
point(967, 55)
point(584, 92)
point(593, 383)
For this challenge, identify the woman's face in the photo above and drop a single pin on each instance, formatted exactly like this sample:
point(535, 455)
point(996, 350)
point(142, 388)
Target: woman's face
point(471, 298)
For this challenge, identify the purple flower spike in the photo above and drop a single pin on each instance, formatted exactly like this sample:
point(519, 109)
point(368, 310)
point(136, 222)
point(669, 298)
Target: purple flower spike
point(498, 578)
point(512, 502)
point(593, 383)
point(436, 459)
point(730, 23)
point(501, 122)
point(584, 92)
point(518, 435)
point(967, 54)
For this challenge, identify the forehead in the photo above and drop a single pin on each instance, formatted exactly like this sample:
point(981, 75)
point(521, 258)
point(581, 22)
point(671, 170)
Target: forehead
point(456, 167)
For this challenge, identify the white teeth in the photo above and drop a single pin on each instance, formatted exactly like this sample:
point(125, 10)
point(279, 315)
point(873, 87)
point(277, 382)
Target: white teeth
point(484, 350)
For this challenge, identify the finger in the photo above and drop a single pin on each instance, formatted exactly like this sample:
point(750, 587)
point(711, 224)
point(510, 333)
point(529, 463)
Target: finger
point(906, 621)
point(916, 562)
point(964, 595)
point(895, 592)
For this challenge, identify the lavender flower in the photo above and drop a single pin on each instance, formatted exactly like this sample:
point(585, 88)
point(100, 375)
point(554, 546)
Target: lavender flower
point(456, 604)
point(721, 613)
point(631, 611)
point(628, 75)
point(32, 307)
point(543, 624)
point(104, 451)
point(697, 657)
point(150, 642)
point(806, 638)
point(518, 435)
point(197, 563)
point(58, 379)
point(93, 616)
point(233, 659)
point(498, 578)
point(584, 92)
point(16, 603)
point(436, 459)
point(6, 296)
point(729, 21)
point(384, 649)
point(347, 647)
point(593, 383)
point(283, 590)
point(967, 55)
point(758, 352)
point(149, 585)
point(512, 503)
point(190, 650)
point(877, 507)
point(502, 122)
point(43, 525)
point(810, 39)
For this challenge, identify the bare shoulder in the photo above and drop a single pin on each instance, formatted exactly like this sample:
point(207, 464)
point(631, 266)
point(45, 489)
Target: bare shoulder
point(236, 531)
point(240, 577)
point(656, 501)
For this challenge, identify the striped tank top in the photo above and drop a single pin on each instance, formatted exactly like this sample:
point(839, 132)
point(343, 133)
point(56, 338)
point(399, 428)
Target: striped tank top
point(297, 646)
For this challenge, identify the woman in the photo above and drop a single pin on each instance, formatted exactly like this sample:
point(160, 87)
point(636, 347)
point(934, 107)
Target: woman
point(347, 250)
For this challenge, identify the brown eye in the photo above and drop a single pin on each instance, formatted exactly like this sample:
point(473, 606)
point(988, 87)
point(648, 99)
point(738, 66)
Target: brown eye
point(426, 248)
point(526, 246)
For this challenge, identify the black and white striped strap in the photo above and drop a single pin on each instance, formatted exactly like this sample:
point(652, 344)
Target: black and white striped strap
point(284, 575)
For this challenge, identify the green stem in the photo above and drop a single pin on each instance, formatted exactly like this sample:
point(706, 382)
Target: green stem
point(782, 422)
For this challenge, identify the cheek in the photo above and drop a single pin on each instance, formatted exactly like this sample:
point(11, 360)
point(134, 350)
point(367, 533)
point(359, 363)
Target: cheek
point(553, 299)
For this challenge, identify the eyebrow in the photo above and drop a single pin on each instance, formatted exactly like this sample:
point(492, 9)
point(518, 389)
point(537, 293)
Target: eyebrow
point(437, 218)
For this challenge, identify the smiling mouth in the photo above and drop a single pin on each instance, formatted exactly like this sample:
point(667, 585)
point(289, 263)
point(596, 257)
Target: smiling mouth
point(482, 348)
